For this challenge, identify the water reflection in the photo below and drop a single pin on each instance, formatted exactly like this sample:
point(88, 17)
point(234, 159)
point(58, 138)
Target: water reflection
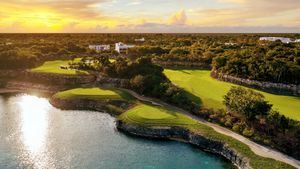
point(34, 126)
point(39, 136)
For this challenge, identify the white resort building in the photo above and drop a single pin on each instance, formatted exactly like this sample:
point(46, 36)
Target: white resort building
point(100, 47)
point(273, 39)
point(297, 41)
point(122, 48)
point(140, 40)
point(230, 44)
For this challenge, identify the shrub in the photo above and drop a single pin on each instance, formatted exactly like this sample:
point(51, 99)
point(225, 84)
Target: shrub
point(248, 132)
point(246, 102)
point(236, 128)
point(228, 123)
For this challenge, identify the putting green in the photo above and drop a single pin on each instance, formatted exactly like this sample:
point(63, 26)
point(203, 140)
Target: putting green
point(55, 67)
point(212, 91)
point(90, 93)
point(149, 115)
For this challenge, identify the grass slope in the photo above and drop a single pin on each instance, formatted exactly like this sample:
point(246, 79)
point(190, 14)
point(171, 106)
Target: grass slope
point(93, 93)
point(151, 116)
point(212, 91)
point(54, 67)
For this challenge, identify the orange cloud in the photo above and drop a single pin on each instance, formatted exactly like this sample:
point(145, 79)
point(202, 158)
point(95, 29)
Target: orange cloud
point(179, 18)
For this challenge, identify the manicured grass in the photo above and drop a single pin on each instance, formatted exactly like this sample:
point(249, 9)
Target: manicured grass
point(93, 93)
point(212, 91)
point(152, 116)
point(149, 115)
point(54, 67)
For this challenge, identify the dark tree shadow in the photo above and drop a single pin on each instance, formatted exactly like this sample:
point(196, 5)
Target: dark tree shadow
point(194, 98)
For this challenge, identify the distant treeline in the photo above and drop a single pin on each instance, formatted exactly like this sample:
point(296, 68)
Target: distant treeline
point(241, 55)
point(273, 62)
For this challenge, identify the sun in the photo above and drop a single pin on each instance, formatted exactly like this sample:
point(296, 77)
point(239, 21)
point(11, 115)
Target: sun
point(48, 19)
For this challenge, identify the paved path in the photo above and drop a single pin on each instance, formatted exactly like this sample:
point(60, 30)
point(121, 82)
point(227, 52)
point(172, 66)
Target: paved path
point(256, 148)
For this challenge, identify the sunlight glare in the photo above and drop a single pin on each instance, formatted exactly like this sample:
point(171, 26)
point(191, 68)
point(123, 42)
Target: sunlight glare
point(34, 123)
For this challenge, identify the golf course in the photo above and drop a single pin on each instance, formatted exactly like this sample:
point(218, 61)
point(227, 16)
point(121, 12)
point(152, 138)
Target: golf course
point(153, 116)
point(211, 91)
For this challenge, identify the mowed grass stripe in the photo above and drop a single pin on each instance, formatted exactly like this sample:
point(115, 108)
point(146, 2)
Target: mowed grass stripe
point(212, 91)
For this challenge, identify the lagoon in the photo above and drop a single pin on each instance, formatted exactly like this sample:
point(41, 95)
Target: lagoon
point(36, 135)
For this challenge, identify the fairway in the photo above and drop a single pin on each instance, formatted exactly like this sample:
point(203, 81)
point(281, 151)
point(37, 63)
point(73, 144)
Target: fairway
point(54, 67)
point(90, 93)
point(212, 91)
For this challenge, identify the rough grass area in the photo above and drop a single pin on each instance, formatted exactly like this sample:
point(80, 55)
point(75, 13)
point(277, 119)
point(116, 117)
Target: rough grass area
point(55, 67)
point(93, 93)
point(151, 116)
point(211, 91)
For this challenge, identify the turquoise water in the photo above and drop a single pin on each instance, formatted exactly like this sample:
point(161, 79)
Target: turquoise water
point(36, 135)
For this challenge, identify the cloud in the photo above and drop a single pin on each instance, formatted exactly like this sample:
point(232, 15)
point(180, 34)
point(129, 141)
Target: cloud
point(233, 1)
point(179, 18)
point(80, 8)
point(251, 13)
point(156, 27)
point(149, 16)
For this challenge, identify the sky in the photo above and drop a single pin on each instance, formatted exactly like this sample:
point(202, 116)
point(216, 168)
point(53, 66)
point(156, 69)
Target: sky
point(149, 16)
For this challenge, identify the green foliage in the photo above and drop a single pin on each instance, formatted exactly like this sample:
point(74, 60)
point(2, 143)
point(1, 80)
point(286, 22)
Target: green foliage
point(275, 63)
point(236, 128)
point(179, 51)
point(246, 102)
point(18, 58)
point(248, 132)
point(139, 51)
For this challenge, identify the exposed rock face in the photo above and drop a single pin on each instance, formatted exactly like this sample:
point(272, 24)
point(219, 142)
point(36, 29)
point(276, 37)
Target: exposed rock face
point(89, 104)
point(276, 88)
point(213, 146)
point(10, 73)
point(29, 86)
point(48, 78)
point(114, 82)
point(77, 104)
point(198, 65)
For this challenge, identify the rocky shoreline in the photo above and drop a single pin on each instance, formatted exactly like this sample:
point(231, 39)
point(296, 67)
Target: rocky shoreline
point(47, 78)
point(18, 86)
point(106, 106)
point(178, 133)
point(275, 88)
point(112, 82)
point(59, 79)
point(182, 134)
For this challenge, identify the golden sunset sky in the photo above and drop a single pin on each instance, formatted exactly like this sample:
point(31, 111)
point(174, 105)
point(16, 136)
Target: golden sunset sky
point(102, 16)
